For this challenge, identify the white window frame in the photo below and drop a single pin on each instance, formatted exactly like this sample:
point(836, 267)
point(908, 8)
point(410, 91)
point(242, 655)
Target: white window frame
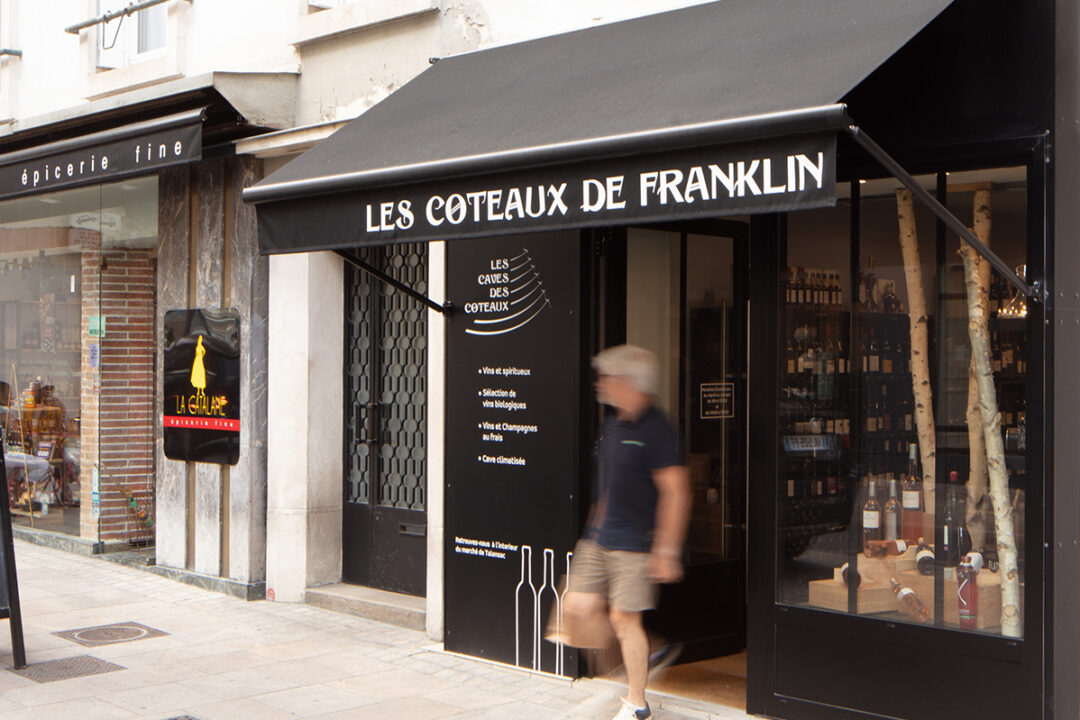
point(122, 35)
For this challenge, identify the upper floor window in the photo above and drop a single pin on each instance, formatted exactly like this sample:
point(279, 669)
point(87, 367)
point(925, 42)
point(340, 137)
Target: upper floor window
point(130, 38)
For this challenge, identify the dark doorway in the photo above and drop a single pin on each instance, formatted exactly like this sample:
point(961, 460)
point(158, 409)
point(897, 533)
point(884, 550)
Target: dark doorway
point(681, 291)
point(384, 519)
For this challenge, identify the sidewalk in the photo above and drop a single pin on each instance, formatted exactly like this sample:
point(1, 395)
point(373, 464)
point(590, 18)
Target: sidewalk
point(221, 657)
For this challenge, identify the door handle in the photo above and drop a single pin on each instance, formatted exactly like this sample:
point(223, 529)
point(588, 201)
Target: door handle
point(369, 417)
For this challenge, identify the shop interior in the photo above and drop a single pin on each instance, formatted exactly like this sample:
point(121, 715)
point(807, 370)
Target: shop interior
point(851, 483)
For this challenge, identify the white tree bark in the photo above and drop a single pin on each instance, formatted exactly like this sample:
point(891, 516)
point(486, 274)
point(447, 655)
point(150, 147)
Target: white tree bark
point(920, 358)
point(979, 335)
point(978, 479)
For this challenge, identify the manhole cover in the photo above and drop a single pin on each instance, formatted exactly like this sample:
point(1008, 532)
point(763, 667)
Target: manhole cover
point(110, 634)
point(66, 669)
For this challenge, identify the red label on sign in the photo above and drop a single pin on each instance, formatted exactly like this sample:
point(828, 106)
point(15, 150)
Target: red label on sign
point(202, 423)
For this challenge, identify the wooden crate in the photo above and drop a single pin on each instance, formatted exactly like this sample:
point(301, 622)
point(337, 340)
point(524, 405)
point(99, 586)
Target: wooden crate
point(878, 571)
point(989, 585)
point(871, 598)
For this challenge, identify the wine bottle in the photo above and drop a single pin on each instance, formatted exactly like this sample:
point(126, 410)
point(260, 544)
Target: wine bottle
point(846, 574)
point(885, 548)
point(911, 498)
point(950, 551)
point(909, 602)
point(871, 282)
point(890, 303)
point(967, 594)
point(892, 513)
point(871, 519)
point(924, 558)
point(873, 357)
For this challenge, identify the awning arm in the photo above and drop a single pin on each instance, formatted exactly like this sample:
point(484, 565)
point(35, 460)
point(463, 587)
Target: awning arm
point(445, 308)
point(1035, 290)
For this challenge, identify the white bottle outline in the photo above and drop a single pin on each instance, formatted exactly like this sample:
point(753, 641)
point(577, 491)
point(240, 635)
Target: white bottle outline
point(526, 550)
point(549, 577)
point(560, 599)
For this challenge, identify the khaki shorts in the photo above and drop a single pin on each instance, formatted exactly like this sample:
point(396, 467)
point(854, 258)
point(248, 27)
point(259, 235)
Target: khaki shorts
point(619, 575)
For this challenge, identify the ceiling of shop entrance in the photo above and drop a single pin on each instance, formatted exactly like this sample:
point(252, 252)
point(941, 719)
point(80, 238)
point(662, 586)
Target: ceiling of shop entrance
point(125, 212)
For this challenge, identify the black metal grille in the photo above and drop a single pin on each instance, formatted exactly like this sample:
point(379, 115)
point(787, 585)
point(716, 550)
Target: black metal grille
point(392, 373)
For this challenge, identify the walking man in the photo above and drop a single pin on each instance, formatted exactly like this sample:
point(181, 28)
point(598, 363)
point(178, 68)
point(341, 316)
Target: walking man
point(634, 536)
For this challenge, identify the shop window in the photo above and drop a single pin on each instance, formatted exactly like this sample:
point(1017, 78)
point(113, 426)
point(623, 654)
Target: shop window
point(894, 500)
point(129, 39)
point(76, 358)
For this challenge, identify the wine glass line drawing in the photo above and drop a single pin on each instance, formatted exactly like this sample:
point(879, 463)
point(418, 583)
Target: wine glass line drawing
point(529, 289)
point(527, 597)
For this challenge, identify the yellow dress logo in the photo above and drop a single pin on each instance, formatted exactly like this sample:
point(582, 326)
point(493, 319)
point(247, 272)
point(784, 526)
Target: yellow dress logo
point(199, 403)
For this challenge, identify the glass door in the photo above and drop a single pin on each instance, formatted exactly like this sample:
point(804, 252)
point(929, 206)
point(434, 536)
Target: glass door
point(686, 299)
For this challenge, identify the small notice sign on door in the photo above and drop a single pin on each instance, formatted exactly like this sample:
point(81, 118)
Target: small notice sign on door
point(717, 401)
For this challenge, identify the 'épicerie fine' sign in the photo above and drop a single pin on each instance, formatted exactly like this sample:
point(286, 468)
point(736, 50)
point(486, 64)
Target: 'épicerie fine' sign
point(133, 155)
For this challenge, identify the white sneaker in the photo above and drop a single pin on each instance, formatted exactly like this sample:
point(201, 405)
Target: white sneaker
point(629, 712)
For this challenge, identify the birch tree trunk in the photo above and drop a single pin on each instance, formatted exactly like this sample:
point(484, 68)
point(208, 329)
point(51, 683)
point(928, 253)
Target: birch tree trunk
point(977, 477)
point(920, 354)
point(979, 335)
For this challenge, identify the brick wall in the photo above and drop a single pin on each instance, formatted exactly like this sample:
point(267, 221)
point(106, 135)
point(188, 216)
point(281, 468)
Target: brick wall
point(117, 431)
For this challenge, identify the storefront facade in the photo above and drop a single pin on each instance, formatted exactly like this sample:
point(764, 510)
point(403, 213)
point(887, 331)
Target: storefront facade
point(741, 224)
point(104, 232)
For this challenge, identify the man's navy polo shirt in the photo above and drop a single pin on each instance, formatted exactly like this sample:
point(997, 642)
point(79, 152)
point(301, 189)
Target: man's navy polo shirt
point(629, 452)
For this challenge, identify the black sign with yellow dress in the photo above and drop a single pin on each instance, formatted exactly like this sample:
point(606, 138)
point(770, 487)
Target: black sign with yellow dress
point(201, 400)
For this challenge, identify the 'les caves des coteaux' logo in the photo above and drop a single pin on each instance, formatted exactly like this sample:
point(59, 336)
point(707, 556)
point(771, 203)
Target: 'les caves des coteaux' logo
point(515, 296)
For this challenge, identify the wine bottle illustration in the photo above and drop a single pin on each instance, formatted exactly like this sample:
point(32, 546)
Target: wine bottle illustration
point(560, 656)
point(548, 590)
point(525, 595)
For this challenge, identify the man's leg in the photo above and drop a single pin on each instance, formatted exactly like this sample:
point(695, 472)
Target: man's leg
point(635, 651)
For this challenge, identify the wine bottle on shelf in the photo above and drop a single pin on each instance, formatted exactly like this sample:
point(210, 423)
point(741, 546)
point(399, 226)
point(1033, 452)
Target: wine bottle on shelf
point(873, 356)
point(886, 355)
point(884, 410)
point(909, 602)
point(890, 303)
point(995, 353)
point(790, 355)
point(911, 498)
point(891, 514)
point(871, 281)
point(871, 518)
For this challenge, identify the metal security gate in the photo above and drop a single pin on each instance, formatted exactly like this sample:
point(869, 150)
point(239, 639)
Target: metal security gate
point(384, 521)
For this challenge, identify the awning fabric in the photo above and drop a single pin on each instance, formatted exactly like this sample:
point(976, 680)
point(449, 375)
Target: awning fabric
point(721, 108)
point(135, 149)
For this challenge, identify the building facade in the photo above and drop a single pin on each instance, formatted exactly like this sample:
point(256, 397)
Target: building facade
point(463, 201)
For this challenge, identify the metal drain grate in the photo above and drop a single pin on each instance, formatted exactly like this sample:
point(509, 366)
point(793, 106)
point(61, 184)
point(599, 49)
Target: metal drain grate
point(110, 634)
point(66, 669)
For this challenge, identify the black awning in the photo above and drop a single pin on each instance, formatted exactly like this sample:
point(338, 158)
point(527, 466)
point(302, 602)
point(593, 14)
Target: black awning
point(135, 149)
point(720, 108)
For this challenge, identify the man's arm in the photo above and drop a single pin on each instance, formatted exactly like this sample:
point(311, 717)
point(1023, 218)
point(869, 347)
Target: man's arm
point(672, 516)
